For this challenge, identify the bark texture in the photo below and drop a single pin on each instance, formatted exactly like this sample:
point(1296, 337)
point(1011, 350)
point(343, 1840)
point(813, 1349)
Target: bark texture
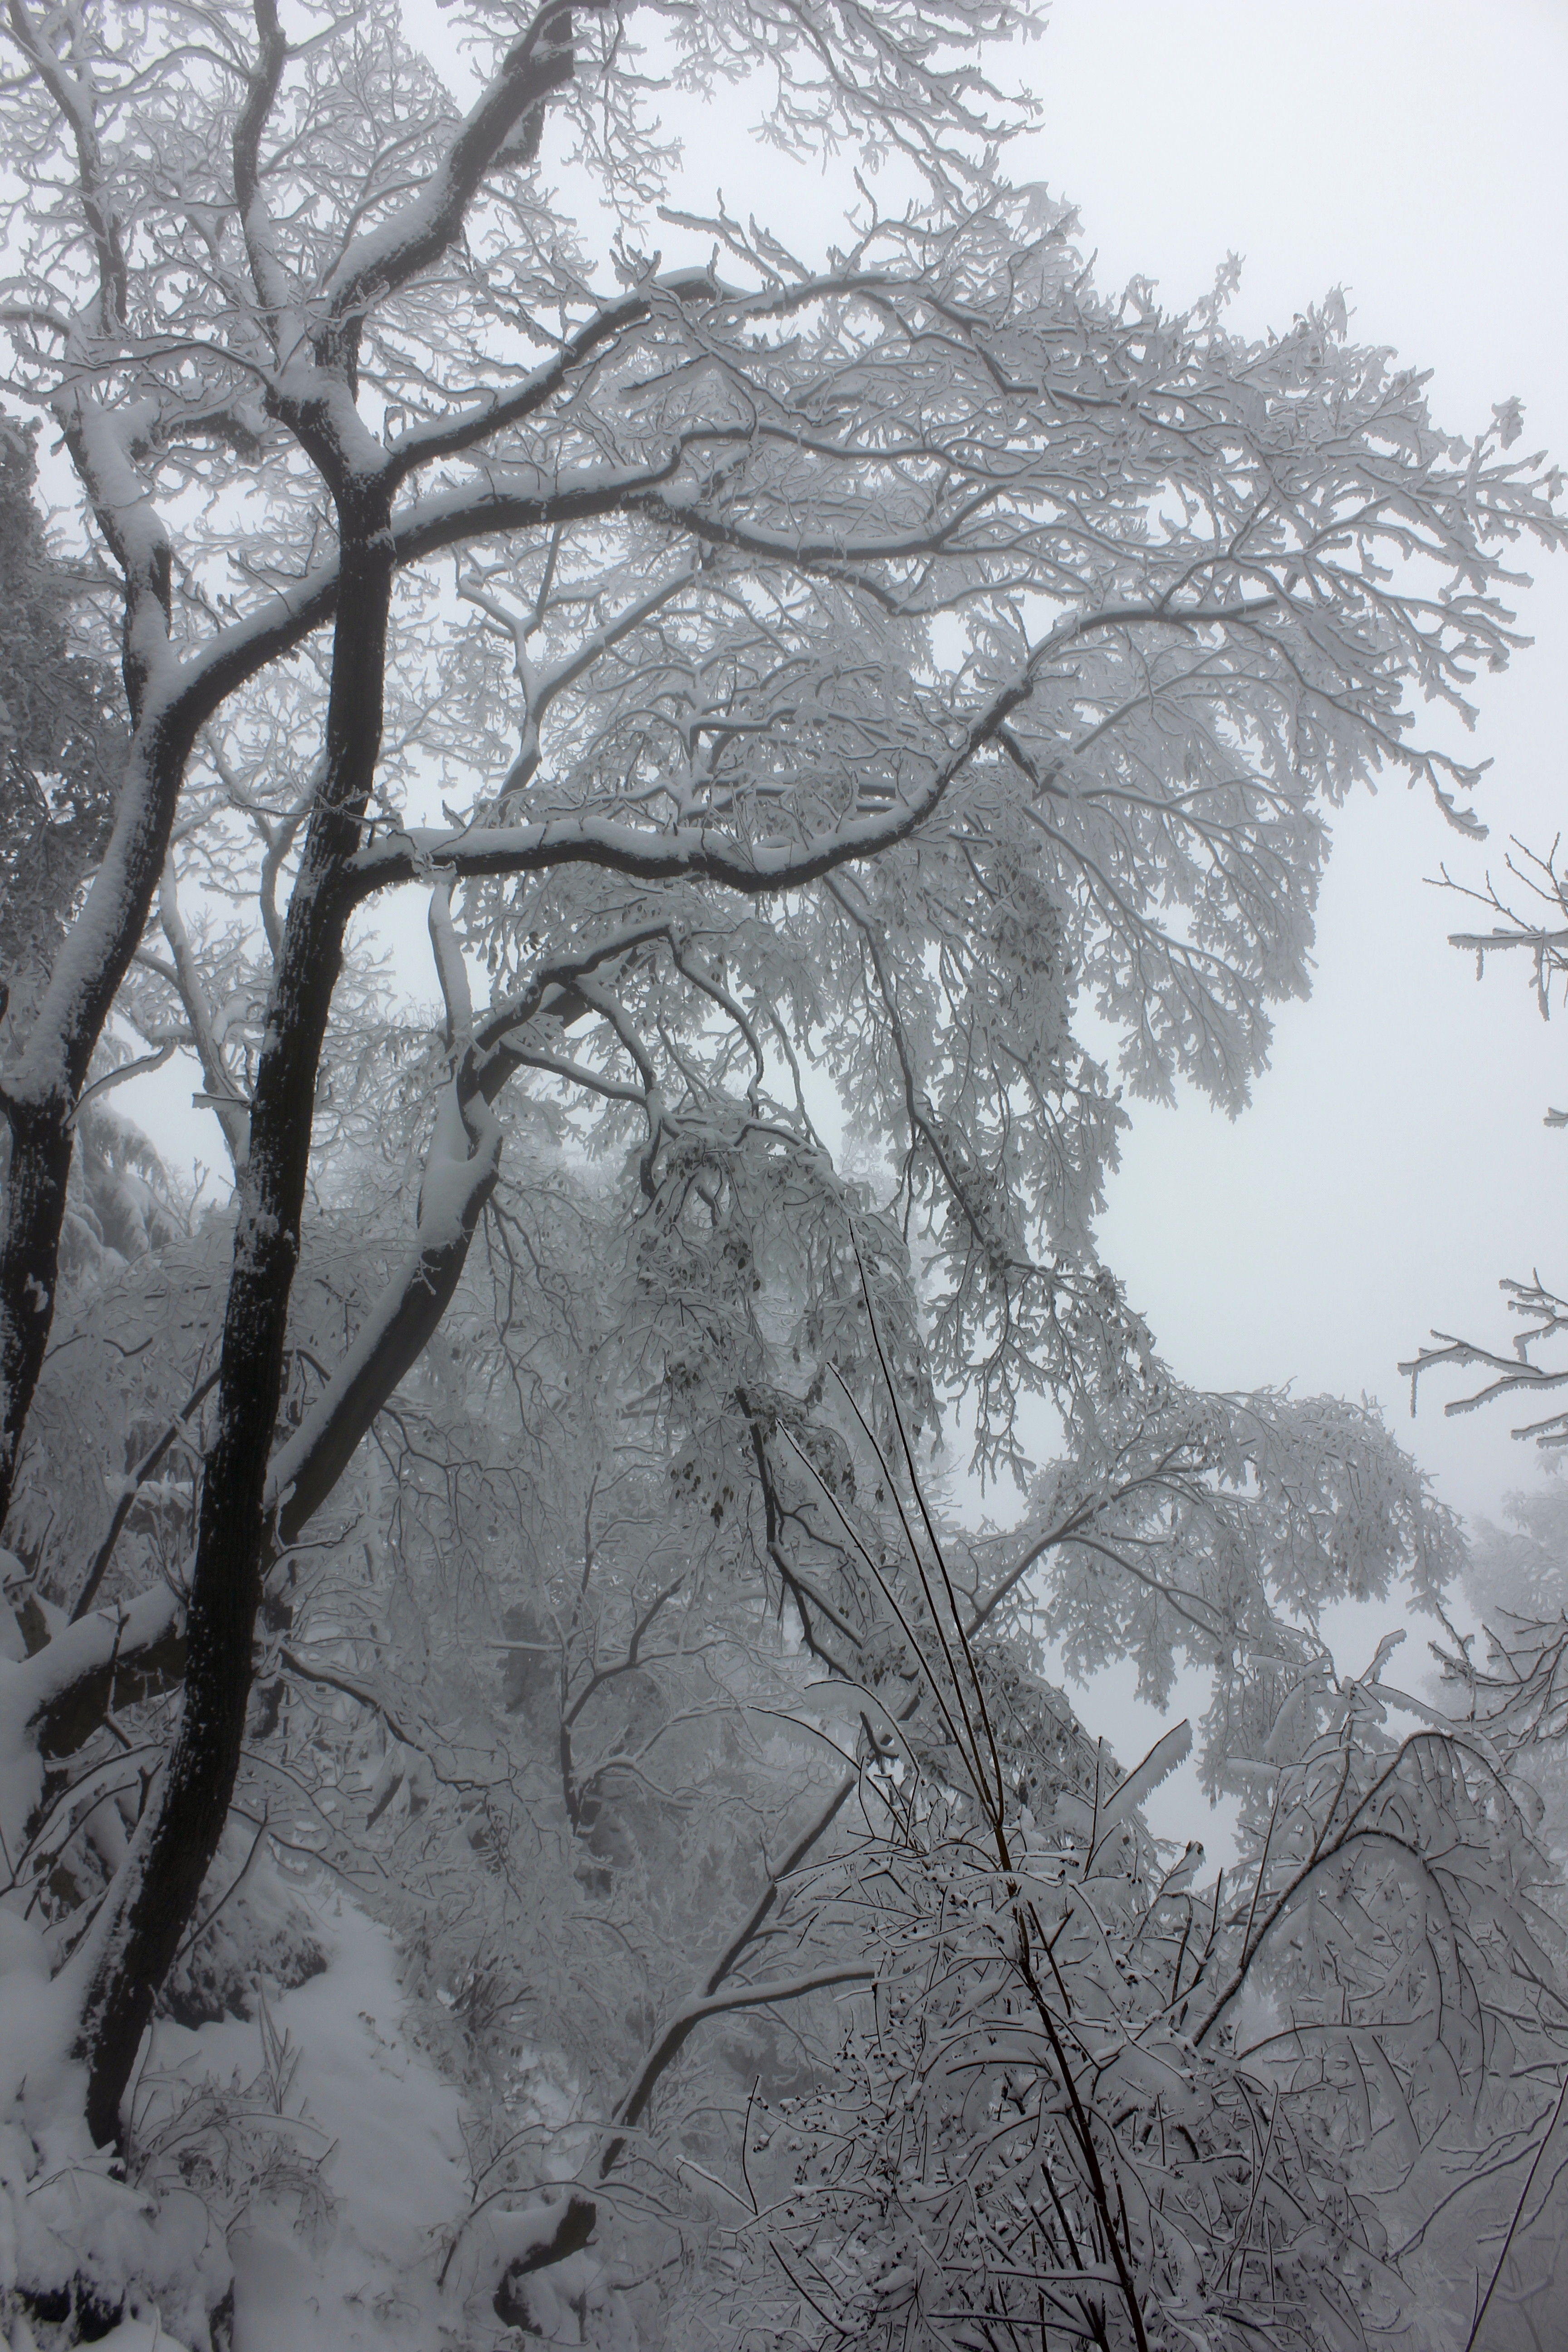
point(158, 1890)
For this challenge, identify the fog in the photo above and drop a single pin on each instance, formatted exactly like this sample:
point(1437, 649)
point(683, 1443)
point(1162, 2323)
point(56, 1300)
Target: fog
point(1394, 1164)
point(497, 1906)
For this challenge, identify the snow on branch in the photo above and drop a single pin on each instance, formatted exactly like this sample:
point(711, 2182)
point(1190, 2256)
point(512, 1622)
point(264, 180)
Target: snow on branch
point(1515, 1375)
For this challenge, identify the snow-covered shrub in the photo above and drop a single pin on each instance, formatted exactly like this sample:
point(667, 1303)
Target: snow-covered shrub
point(1021, 2141)
point(231, 2145)
point(1083, 2100)
point(81, 2249)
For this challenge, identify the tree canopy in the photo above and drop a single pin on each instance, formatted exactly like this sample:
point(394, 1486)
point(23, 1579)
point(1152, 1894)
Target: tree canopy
point(841, 671)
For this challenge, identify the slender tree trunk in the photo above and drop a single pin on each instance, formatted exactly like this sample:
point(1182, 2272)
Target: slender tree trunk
point(39, 1094)
point(157, 1894)
point(29, 1262)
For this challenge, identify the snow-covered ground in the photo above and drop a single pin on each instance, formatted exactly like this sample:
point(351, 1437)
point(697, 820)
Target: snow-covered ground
point(317, 2138)
point(363, 2273)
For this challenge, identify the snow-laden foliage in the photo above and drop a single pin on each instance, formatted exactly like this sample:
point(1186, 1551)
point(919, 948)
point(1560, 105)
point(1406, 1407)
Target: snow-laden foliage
point(1019, 2135)
point(1085, 2101)
point(839, 671)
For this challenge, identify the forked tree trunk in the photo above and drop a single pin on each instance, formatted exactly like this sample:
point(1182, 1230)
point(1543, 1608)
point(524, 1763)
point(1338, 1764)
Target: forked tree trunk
point(155, 1899)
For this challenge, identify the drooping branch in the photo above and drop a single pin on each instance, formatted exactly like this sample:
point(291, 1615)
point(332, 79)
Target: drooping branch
point(677, 2030)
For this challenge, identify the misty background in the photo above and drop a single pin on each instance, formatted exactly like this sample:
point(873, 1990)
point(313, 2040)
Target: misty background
point(1393, 1163)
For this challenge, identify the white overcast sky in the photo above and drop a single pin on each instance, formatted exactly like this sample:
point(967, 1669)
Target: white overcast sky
point(1394, 1164)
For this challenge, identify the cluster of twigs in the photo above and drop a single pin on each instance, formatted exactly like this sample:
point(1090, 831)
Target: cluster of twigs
point(1084, 2103)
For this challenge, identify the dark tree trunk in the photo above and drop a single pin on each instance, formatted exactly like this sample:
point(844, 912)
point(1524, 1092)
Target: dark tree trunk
point(160, 1888)
point(29, 1262)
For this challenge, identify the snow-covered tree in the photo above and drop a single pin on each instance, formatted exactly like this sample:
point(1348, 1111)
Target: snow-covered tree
point(1528, 904)
point(846, 662)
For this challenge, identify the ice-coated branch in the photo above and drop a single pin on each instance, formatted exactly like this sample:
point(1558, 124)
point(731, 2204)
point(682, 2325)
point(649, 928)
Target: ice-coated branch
point(111, 1657)
point(677, 2030)
point(266, 269)
point(451, 972)
point(541, 689)
point(386, 258)
point(1541, 935)
point(71, 90)
point(1514, 1375)
point(697, 851)
point(423, 444)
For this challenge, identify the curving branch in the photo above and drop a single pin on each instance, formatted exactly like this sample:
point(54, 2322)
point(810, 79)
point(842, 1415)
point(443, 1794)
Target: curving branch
point(111, 1657)
point(677, 2031)
point(387, 257)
